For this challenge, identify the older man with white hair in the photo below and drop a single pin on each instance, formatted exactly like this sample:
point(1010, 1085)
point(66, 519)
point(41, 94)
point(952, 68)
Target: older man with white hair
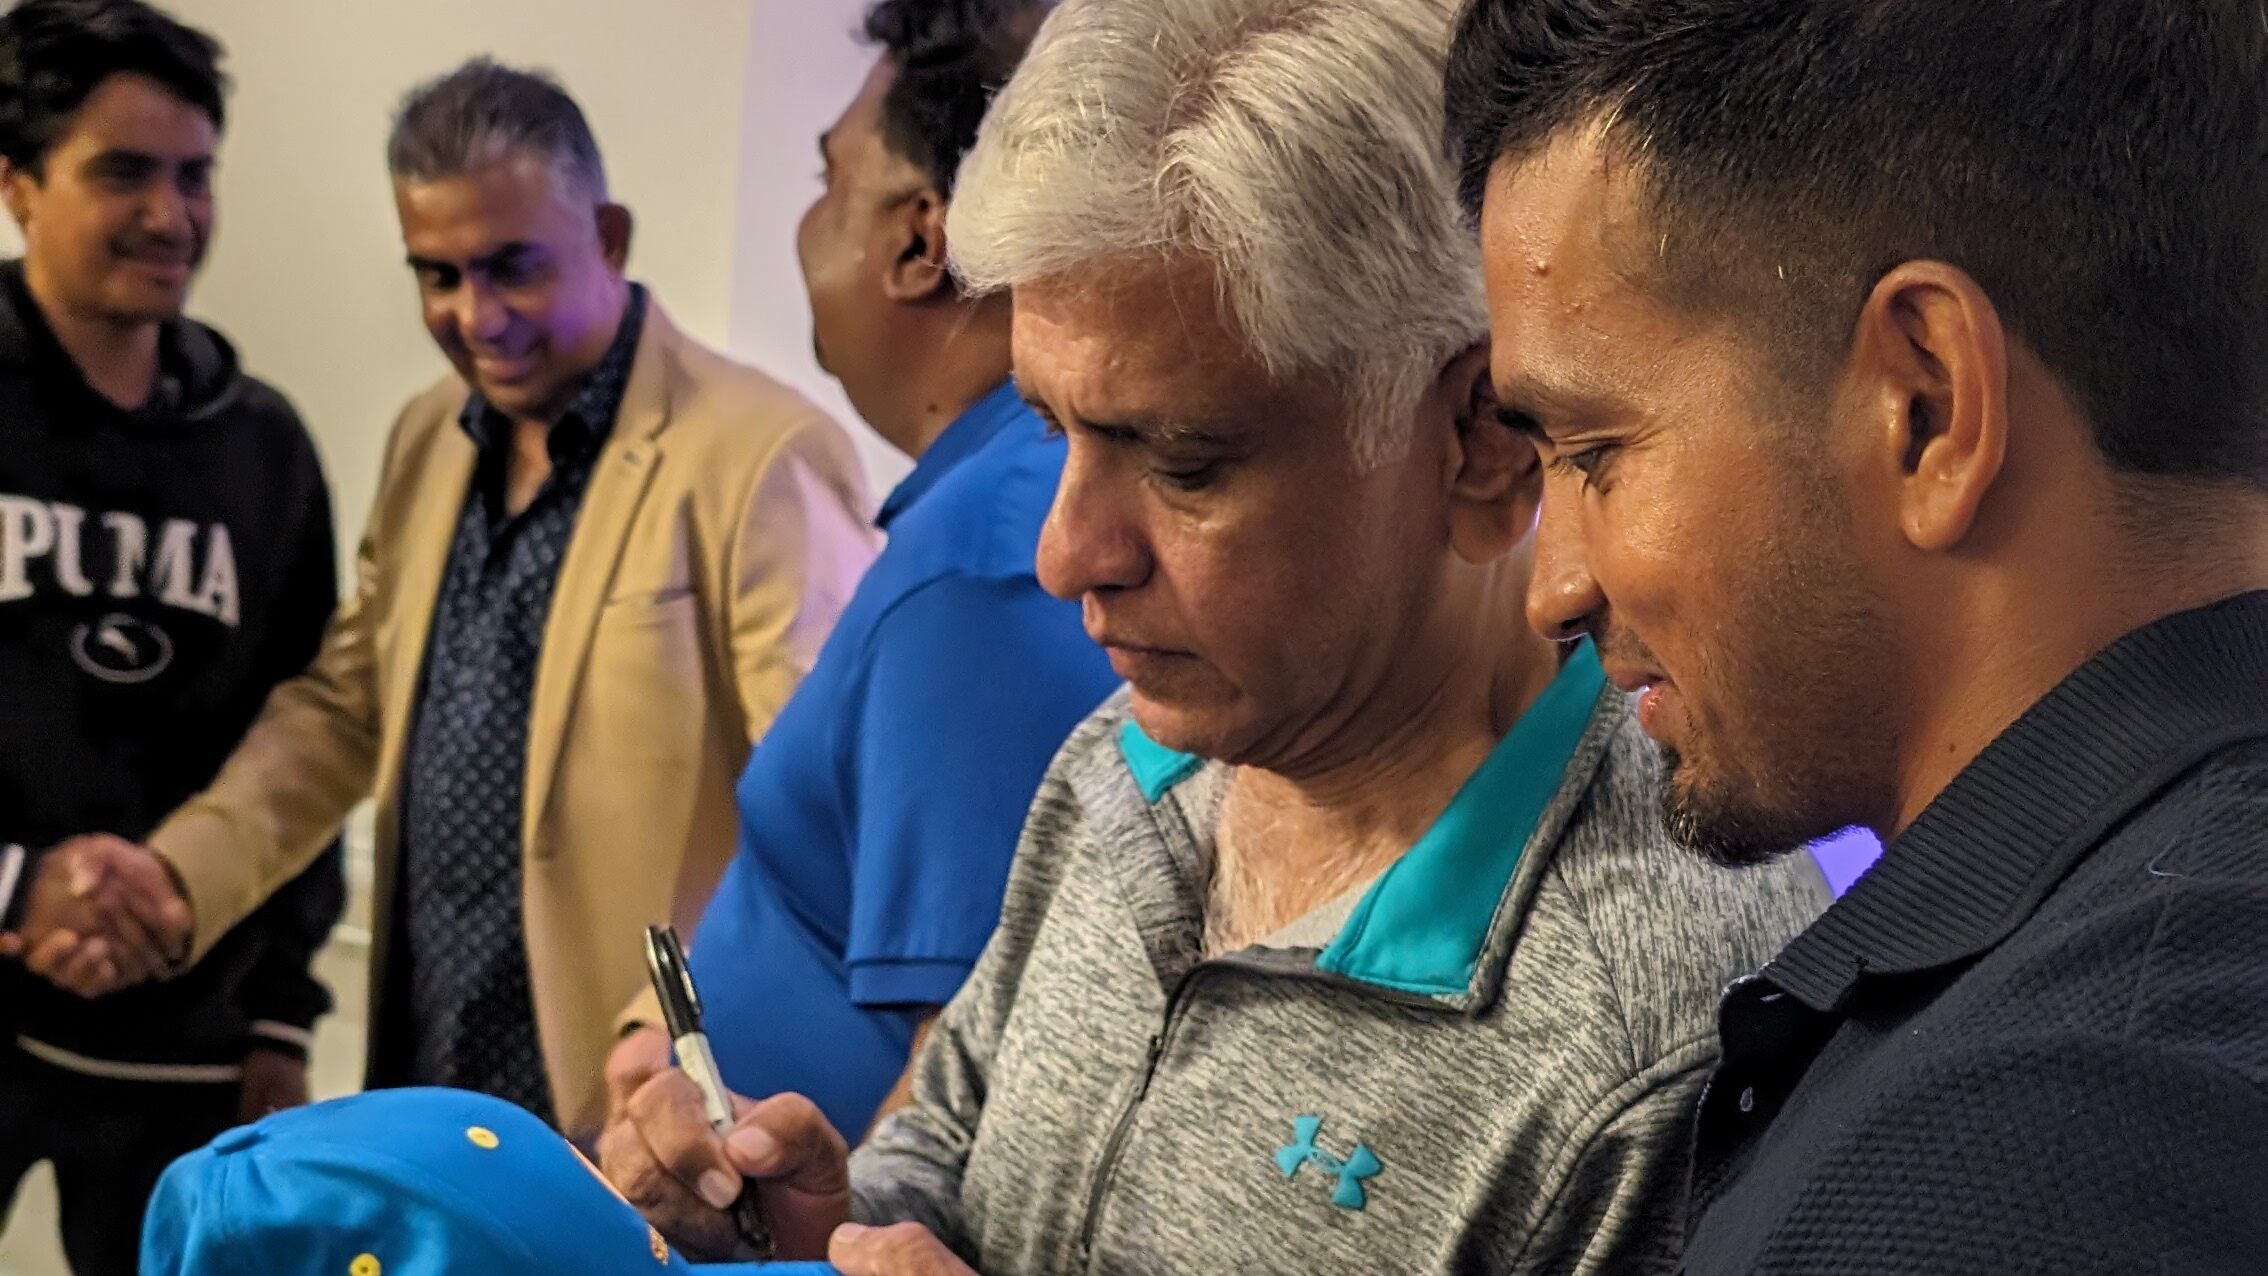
point(1347, 937)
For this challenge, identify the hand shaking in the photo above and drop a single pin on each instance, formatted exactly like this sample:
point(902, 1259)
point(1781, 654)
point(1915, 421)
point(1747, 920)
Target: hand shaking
point(101, 914)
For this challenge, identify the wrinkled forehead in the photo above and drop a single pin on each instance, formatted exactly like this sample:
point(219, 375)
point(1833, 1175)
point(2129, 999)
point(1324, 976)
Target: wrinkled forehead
point(1151, 338)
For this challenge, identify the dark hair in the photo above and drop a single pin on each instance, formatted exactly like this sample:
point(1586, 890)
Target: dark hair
point(483, 110)
point(53, 54)
point(2100, 167)
point(951, 57)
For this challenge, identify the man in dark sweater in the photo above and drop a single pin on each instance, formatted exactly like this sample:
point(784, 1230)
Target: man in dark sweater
point(166, 558)
point(1902, 370)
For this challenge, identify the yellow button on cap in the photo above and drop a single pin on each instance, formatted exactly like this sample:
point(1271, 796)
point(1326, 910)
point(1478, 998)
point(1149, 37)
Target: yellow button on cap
point(483, 1138)
point(365, 1265)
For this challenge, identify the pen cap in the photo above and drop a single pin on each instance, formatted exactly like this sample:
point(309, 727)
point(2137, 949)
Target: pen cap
point(673, 983)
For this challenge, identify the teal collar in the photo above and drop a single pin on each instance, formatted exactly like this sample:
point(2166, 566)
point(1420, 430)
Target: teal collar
point(1421, 927)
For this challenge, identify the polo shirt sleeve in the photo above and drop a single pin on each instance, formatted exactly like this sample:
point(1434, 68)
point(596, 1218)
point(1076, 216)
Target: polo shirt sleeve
point(971, 685)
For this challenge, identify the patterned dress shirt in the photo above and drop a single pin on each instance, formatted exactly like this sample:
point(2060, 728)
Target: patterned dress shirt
point(470, 1021)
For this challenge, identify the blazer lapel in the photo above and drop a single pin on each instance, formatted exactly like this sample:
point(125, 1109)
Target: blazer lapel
point(429, 529)
point(610, 507)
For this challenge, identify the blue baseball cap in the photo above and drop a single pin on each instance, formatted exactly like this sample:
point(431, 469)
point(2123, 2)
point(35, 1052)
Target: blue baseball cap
point(403, 1183)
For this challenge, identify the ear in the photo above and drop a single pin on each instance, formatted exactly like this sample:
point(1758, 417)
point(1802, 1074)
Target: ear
point(1495, 477)
point(1932, 359)
point(614, 226)
point(916, 231)
point(16, 185)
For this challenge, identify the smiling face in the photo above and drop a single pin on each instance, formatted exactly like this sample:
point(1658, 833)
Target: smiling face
point(1696, 522)
point(1252, 584)
point(117, 217)
point(520, 277)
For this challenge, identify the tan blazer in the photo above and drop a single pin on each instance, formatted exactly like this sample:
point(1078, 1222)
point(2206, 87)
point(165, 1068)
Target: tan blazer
point(722, 533)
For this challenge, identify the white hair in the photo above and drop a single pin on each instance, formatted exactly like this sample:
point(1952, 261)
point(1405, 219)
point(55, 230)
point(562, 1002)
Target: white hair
point(1295, 145)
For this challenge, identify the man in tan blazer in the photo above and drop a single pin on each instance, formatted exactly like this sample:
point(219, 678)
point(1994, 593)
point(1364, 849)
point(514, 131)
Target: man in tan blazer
point(600, 559)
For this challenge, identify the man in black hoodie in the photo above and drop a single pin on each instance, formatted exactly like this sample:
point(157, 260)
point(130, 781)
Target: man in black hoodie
point(166, 558)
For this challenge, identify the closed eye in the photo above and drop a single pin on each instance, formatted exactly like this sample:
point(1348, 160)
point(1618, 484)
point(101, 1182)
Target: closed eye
point(1582, 462)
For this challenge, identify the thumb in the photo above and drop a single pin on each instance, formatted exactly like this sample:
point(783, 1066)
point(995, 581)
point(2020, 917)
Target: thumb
point(11, 945)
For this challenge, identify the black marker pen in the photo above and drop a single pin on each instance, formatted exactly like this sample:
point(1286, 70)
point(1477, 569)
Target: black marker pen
point(681, 1012)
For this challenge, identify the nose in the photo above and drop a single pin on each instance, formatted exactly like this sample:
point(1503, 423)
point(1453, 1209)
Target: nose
point(480, 313)
point(165, 212)
point(1092, 539)
point(1563, 596)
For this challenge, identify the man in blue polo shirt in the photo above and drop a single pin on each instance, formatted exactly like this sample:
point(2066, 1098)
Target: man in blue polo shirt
point(880, 813)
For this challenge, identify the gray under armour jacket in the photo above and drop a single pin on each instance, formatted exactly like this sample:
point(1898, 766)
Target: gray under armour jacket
point(1487, 1065)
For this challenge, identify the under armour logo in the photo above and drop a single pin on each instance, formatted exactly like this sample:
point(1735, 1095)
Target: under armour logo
point(1361, 1164)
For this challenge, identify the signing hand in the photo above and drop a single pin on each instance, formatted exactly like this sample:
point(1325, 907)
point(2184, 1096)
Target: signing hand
point(906, 1249)
point(102, 914)
point(660, 1153)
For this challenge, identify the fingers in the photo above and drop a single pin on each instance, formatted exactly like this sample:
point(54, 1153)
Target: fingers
point(137, 954)
point(11, 946)
point(81, 966)
point(631, 1161)
point(788, 1139)
point(129, 953)
point(635, 1060)
point(136, 894)
point(669, 1115)
point(102, 886)
point(801, 1165)
point(150, 894)
point(905, 1249)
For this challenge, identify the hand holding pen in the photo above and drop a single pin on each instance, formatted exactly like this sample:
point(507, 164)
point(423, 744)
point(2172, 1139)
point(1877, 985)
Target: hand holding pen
point(664, 1152)
point(681, 1012)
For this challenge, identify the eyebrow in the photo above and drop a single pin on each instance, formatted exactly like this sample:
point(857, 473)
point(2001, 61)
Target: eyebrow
point(117, 155)
point(1149, 429)
point(1521, 397)
point(486, 261)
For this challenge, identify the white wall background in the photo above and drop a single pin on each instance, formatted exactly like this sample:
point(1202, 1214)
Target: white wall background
point(707, 111)
point(704, 109)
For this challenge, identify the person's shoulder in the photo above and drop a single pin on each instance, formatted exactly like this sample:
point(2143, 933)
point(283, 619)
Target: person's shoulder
point(2043, 1148)
point(427, 415)
point(984, 517)
point(731, 409)
point(271, 421)
point(2164, 930)
point(1668, 927)
point(2213, 822)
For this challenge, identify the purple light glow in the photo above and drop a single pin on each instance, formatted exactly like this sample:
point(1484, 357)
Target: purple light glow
point(1844, 856)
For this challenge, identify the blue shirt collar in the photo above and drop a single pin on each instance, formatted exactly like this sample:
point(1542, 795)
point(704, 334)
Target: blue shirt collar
point(1421, 927)
point(964, 438)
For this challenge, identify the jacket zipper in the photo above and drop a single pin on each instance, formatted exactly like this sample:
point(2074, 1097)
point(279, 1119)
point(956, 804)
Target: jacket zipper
point(1106, 1169)
point(1115, 1145)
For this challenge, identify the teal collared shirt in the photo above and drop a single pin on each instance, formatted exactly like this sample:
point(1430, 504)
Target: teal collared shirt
point(1421, 926)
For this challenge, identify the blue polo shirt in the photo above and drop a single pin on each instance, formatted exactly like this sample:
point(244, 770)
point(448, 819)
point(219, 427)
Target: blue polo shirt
point(879, 813)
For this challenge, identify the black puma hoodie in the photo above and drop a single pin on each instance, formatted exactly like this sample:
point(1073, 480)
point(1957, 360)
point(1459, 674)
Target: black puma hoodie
point(161, 570)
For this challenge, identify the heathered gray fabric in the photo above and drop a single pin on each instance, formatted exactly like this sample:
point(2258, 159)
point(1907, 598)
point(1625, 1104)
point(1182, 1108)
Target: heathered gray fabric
point(1535, 1122)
